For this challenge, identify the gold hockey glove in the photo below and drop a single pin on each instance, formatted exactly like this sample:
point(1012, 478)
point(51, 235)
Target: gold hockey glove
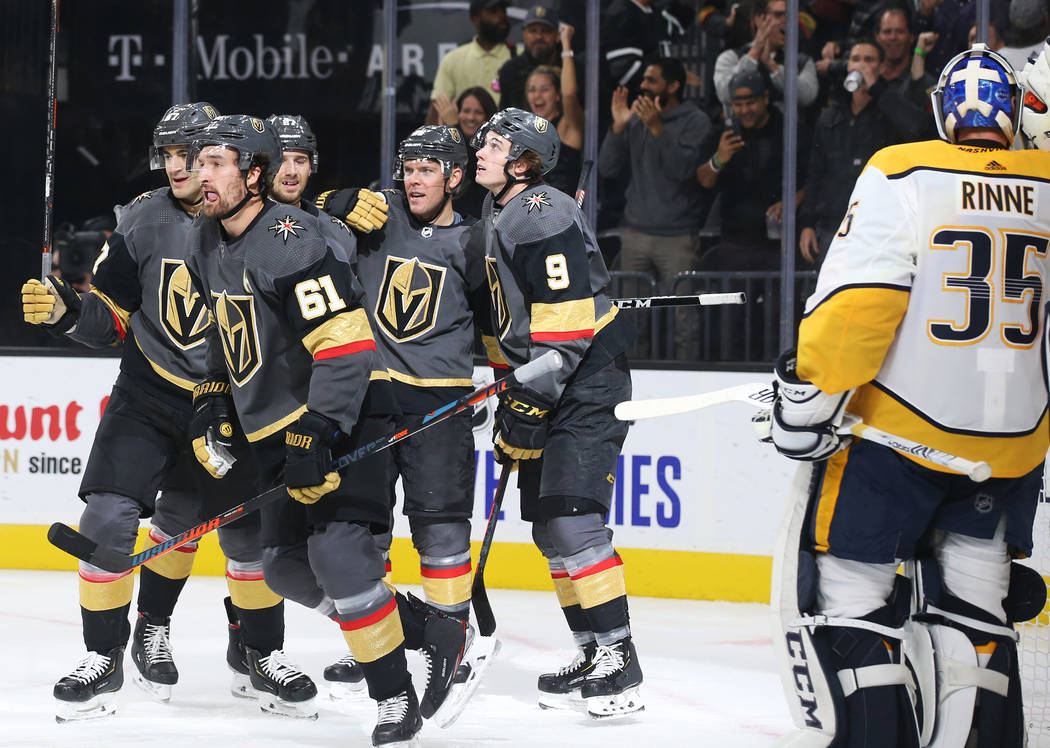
point(53, 304)
point(361, 209)
point(308, 472)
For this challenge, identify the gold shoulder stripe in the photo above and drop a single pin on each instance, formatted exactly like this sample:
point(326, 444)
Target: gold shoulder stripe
point(343, 329)
point(119, 312)
point(564, 318)
point(938, 155)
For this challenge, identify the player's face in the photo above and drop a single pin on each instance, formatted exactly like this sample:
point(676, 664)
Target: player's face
point(893, 36)
point(221, 181)
point(291, 179)
point(184, 185)
point(471, 116)
point(540, 39)
point(491, 158)
point(424, 187)
point(542, 96)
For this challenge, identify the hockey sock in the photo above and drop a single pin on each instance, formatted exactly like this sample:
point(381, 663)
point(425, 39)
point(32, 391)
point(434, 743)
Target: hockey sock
point(413, 622)
point(371, 624)
point(161, 579)
point(602, 591)
point(446, 583)
point(105, 600)
point(260, 610)
point(579, 625)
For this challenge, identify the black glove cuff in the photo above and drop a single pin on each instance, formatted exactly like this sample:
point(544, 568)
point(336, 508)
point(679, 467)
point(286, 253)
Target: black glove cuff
point(71, 298)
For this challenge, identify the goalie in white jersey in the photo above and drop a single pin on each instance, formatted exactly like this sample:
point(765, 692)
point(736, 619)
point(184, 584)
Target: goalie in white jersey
point(927, 322)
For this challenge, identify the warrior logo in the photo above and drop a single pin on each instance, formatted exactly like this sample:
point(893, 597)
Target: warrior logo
point(500, 310)
point(235, 316)
point(408, 297)
point(183, 314)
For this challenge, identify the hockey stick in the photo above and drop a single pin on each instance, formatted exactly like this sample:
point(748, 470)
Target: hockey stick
point(72, 542)
point(704, 299)
point(759, 395)
point(581, 186)
point(479, 598)
point(49, 152)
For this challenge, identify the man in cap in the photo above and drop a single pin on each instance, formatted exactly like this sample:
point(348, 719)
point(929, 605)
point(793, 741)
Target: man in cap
point(540, 37)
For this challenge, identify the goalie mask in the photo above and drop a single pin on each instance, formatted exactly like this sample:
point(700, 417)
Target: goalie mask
point(296, 135)
point(1035, 119)
point(255, 141)
point(439, 143)
point(526, 132)
point(179, 126)
point(977, 88)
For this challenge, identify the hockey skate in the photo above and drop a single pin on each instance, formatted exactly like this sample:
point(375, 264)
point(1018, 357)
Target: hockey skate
point(283, 689)
point(399, 721)
point(561, 690)
point(345, 678)
point(611, 689)
point(479, 651)
point(87, 692)
point(444, 641)
point(237, 658)
point(155, 671)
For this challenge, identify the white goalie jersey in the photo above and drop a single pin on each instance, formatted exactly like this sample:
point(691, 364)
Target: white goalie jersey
point(931, 299)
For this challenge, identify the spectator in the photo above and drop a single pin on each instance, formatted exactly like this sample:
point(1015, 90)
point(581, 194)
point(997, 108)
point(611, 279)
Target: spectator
point(765, 52)
point(849, 131)
point(540, 37)
point(995, 39)
point(633, 31)
point(903, 91)
point(552, 94)
point(1029, 26)
point(951, 21)
point(471, 110)
point(659, 136)
point(476, 63)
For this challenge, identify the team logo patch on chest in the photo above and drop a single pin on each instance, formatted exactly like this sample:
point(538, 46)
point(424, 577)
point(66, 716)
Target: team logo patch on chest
point(409, 297)
point(235, 316)
point(536, 200)
point(285, 226)
point(500, 310)
point(183, 314)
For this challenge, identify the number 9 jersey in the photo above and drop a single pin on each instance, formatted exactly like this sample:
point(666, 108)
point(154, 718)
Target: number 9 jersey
point(930, 301)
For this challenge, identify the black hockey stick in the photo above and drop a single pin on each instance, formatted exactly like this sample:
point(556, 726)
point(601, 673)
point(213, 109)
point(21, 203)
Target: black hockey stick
point(581, 187)
point(72, 542)
point(478, 596)
point(704, 299)
point(49, 152)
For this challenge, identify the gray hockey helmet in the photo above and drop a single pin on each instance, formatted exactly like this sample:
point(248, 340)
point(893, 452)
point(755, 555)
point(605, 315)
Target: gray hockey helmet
point(440, 143)
point(249, 136)
point(296, 135)
point(179, 126)
point(526, 132)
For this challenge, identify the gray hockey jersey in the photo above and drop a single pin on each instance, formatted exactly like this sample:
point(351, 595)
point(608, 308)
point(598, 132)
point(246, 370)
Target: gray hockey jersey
point(547, 282)
point(424, 290)
point(291, 332)
point(140, 288)
point(338, 234)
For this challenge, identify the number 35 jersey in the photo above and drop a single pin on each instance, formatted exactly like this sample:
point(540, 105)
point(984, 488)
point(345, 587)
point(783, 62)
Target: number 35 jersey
point(930, 301)
point(290, 330)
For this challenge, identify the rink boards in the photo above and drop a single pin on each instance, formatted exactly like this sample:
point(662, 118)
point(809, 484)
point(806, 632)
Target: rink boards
point(696, 500)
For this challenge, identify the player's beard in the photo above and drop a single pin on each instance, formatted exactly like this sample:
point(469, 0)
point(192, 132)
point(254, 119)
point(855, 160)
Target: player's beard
point(223, 205)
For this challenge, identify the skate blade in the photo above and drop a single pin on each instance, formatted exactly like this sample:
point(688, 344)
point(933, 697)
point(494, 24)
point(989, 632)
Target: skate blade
point(571, 701)
point(342, 691)
point(482, 651)
point(615, 705)
point(156, 691)
point(241, 687)
point(78, 711)
point(280, 708)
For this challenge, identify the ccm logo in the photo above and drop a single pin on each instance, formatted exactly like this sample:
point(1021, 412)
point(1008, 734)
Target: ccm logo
point(298, 440)
point(526, 409)
point(803, 682)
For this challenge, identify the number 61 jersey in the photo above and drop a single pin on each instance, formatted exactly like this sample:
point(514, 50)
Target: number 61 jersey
point(931, 298)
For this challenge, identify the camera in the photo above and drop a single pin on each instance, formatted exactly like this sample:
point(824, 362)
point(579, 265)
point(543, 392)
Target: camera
point(77, 252)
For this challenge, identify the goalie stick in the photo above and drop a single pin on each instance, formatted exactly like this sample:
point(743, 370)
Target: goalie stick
point(704, 299)
point(65, 538)
point(479, 598)
point(759, 395)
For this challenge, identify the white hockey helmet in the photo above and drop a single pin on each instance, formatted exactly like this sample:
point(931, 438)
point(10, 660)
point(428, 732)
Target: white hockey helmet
point(1035, 117)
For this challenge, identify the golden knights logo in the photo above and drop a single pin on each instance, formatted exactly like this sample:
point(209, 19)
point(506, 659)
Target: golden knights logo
point(183, 314)
point(235, 316)
point(500, 310)
point(409, 297)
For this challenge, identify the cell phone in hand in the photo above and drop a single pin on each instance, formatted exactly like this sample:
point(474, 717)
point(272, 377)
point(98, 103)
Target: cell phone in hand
point(733, 125)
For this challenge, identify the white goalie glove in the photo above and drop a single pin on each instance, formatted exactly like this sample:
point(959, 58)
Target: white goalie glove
point(805, 419)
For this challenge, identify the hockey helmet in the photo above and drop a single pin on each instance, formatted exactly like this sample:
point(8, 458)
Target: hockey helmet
point(251, 137)
point(526, 132)
point(977, 88)
point(179, 126)
point(1035, 119)
point(296, 135)
point(440, 143)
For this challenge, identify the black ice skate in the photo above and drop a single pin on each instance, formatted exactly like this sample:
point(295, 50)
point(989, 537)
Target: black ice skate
point(345, 678)
point(155, 671)
point(399, 721)
point(611, 689)
point(561, 690)
point(444, 641)
point(478, 655)
point(237, 658)
point(87, 692)
point(283, 688)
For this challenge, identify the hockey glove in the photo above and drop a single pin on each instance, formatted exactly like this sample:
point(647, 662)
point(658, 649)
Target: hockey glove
point(308, 458)
point(805, 419)
point(53, 304)
point(211, 427)
point(521, 424)
point(363, 210)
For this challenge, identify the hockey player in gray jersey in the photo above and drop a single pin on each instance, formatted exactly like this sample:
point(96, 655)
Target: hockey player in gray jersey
point(292, 349)
point(424, 291)
point(547, 285)
point(141, 297)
